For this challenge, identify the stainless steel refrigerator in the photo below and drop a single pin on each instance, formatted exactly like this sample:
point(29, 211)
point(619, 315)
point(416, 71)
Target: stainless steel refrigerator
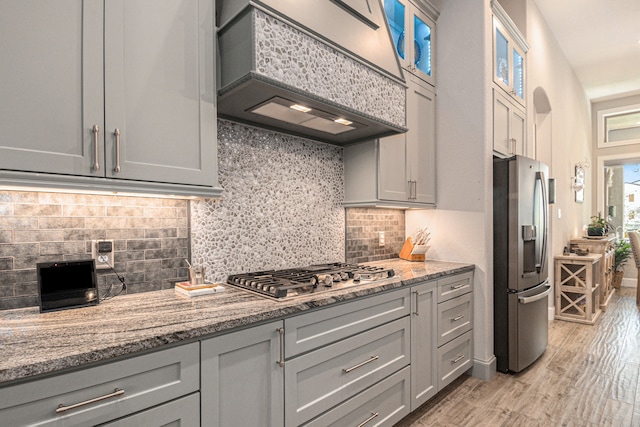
point(520, 270)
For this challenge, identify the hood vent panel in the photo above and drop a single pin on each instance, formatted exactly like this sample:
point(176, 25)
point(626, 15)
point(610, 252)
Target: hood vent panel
point(268, 63)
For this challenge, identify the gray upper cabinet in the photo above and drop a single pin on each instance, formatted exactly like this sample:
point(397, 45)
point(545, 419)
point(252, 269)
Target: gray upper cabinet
point(113, 95)
point(399, 170)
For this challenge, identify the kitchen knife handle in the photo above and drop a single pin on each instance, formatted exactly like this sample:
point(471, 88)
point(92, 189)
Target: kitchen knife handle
point(373, 416)
point(63, 408)
point(117, 134)
point(281, 335)
point(96, 156)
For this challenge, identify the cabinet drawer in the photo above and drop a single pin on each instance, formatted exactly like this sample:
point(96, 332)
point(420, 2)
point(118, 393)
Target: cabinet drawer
point(454, 318)
point(146, 380)
point(320, 380)
point(384, 404)
point(183, 412)
point(322, 327)
point(454, 358)
point(454, 286)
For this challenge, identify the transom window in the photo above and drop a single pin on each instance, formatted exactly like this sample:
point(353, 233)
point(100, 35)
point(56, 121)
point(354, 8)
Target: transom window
point(619, 126)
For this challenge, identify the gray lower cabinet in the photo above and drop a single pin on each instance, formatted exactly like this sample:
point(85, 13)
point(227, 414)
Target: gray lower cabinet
point(241, 380)
point(424, 383)
point(109, 95)
point(383, 404)
point(455, 327)
point(183, 412)
point(108, 392)
point(316, 382)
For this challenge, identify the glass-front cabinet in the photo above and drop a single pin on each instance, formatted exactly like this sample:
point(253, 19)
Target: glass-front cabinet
point(508, 62)
point(413, 33)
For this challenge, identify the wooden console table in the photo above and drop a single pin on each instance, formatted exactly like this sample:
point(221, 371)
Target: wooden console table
point(606, 247)
point(577, 289)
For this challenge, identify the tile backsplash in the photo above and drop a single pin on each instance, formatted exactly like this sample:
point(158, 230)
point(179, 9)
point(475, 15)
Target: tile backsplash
point(151, 239)
point(281, 206)
point(362, 227)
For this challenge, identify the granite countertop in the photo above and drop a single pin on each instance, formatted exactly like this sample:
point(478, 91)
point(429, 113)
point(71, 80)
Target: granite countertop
point(33, 343)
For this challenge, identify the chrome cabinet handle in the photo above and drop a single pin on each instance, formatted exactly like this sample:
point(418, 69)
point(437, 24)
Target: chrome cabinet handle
point(63, 408)
point(117, 134)
point(371, 418)
point(458, 317)
point(281, 334)
point(457, 286)
point(96, 157)
point(417, 313)
point(360, 365)
point(457, 359)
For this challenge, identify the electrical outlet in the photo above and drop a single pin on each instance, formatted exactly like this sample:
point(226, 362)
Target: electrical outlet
point(102, 252)
point(380, 238)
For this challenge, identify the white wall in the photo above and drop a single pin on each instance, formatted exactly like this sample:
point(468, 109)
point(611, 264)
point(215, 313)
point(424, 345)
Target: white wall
point(461, 226)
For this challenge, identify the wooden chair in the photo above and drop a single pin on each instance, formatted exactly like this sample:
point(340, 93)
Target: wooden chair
point(634, 239)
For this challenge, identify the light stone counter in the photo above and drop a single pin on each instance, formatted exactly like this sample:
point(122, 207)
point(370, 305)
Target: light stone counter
point(32, 343)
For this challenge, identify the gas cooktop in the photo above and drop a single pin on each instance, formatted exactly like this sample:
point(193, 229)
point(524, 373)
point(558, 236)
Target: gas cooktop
point(286, 284)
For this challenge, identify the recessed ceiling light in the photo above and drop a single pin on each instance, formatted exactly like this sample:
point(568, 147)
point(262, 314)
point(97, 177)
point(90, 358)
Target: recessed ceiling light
point(343, 122)
point(302, 108)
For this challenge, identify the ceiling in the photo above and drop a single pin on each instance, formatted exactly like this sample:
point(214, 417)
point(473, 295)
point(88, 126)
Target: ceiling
point(601, 40)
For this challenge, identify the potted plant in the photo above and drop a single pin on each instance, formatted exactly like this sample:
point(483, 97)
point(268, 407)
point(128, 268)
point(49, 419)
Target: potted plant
point(621, 255)
point(598, 226)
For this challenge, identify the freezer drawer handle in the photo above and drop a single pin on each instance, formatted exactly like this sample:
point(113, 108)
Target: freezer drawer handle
point(63, 408)
point(458, 317)
point(360, 365)
point(371, 418)
point(457, 359)
point(527, 300)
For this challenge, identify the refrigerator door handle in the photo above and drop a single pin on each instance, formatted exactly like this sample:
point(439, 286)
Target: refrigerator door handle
point(545, 216)
point(537, 297)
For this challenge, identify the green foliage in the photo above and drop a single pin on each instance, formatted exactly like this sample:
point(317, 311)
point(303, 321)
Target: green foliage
point(622, 254)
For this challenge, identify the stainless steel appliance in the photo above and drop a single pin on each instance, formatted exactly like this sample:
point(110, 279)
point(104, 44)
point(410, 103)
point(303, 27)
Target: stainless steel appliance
point(520, 268)
point(281, 284)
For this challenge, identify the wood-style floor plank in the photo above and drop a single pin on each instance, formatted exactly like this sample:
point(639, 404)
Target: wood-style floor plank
point(588, 376)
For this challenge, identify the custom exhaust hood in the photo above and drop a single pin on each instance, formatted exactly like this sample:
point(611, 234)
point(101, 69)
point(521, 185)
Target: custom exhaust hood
point(321, 69)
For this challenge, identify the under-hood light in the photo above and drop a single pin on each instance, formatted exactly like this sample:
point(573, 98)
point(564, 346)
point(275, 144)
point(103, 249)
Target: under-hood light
point(299, 107)
point(343, 122)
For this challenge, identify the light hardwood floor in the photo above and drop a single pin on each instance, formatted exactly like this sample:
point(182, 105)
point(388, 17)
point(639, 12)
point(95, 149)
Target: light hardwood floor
point(588, 376)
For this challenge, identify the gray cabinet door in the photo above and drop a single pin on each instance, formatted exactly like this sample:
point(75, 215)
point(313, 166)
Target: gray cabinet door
point(242, 383)
point(160, 91)
point(424, 375)
point(392, 171)
point(421, 141)
point(51, 85)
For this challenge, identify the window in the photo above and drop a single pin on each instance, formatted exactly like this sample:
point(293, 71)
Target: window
point(619, 126)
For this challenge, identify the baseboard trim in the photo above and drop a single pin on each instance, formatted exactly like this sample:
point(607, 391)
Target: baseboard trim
point(484, 370)
point(551, 313)
point(628, 283)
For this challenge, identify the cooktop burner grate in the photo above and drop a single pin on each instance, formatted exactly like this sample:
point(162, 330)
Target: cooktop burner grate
point(280, 284)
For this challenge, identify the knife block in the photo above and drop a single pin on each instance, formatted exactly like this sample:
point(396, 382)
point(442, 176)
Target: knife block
point(407, 251)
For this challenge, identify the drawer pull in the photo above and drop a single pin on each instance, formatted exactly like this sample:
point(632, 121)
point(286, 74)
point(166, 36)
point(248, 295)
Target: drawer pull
point(62, 408)
point(359, 365)
point(457, 286)
point(457, 359)
point(458, 317)
point(371, 418)
point(281, 361)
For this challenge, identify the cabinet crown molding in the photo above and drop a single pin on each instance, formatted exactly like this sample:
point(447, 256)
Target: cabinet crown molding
point(509, 25)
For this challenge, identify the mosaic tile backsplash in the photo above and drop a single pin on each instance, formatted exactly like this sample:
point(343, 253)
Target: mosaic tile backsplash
point(281, 206)
point(362, 227)
point(151, 239)
point(323, 71)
